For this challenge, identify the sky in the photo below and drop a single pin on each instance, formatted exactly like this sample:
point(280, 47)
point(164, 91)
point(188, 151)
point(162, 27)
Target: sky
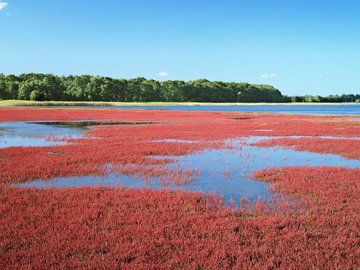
point(299, 46)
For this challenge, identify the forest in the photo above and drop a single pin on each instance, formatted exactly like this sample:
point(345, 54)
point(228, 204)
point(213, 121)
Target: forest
point(49, 87)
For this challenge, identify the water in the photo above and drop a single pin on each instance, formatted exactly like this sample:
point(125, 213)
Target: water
point(226, 172)
point(48, 133)
point(35, 134)
point(353, 109)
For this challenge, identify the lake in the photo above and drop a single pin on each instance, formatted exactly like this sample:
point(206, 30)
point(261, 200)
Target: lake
point(353, 109)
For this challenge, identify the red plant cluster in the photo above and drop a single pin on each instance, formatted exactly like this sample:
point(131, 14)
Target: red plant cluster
point(348, 148)
point(128, 148)
point(147, 229)
point(332, 220)
point(212, 125)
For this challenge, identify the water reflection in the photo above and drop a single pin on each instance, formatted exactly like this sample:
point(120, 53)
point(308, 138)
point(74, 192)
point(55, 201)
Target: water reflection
point(342, 109)
point(35, 134)
point(226, 172)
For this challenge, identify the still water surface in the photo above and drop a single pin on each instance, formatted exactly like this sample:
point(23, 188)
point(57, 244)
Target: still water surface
point(353, 109)
point(226, 172)
point(32, 134)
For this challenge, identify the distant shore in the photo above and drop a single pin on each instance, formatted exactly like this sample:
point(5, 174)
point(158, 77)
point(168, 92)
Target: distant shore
point(127, 104)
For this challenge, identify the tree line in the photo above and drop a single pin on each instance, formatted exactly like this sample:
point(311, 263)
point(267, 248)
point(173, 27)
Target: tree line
point(48, 87)
point(95, 88)
point(331, 98)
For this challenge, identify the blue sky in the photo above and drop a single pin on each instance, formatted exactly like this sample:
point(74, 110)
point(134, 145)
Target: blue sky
point(301, 47)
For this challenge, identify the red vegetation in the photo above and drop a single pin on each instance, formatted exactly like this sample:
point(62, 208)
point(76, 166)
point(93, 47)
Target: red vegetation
point(146, 229)
point(127, 148)
point(210, 125)
point(143, 229)
point(332, 220)
point(347, 148)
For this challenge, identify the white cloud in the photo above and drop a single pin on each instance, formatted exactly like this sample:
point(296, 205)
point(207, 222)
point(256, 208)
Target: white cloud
point(267, 76)
point(3, 5)
point(163, 74)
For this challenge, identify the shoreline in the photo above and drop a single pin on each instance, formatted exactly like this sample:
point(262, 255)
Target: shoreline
point(4, 103)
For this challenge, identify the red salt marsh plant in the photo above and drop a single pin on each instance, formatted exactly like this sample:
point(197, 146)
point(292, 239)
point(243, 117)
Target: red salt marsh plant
point(348, 148)
point(210, 125)
point(91, 156)
point(126, 145)
point(147, 229)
